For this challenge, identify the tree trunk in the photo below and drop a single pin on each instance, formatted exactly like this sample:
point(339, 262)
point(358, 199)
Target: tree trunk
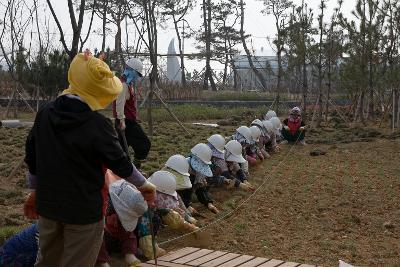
point(104, 22)
point(205, 81)
point(398, 109)
point(280, 73)
point(117, 45)
point(371, 90)
point(152, 36)
point(360, 108)
point(209, 73)
point(249, 56)
point(320, 77)
point(305, 86)
point(180, 45)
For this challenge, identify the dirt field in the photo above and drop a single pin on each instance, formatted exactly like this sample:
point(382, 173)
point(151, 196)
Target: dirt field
point(343, 205)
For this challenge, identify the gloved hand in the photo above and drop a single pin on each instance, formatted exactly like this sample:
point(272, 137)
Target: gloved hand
point(30, 207)
point(246, 187)
point(302, 128)
point(122, 125)
point(286, 128)
point(148, 191)
point(146, 246)
point(249, 185)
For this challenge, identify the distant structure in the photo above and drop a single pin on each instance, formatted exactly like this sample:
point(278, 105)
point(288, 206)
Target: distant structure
point(173, 67)
point(246, 78)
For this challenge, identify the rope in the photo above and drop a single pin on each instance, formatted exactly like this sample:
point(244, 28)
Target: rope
point(240, 204)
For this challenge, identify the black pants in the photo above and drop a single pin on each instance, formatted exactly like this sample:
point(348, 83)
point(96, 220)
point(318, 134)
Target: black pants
point(135, 138)
point(202, 194)
point(298, 135)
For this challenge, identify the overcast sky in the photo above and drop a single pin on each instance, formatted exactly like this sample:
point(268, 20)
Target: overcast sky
point(259, 26)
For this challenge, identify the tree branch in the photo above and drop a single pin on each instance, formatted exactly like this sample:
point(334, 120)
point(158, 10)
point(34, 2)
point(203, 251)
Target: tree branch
point(62, 39)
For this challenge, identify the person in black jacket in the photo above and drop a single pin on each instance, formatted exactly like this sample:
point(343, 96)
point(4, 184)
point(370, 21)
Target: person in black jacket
point(67, 152)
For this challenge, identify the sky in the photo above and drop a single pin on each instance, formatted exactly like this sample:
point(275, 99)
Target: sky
point(258, 25)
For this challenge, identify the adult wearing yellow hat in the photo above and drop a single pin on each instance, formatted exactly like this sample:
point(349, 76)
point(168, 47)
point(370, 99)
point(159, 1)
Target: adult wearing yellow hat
point(67, 151)
point(126, 113)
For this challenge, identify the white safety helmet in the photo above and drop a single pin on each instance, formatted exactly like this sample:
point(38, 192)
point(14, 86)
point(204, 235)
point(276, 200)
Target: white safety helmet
point(257, 122)
point(255, 133)
point(218, 141)
point(268, 126)
point(276, 122)
point(165, 182)
point(234, 152)
point(179, 166)
point(270, 114)
point(135, 64)
point(245, 131)
point(178, 163)
point(203, 152)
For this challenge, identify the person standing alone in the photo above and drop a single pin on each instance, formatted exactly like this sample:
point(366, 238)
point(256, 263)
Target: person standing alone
point(126, 113)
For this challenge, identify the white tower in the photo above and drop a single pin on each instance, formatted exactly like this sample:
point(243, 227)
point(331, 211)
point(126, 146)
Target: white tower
point(173, 67)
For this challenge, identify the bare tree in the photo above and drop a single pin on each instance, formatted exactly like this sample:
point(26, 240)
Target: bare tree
point(300, 32)
point(320, 60)
point(207, 18)
point(278, 9)
point(333, 50)
point(246, 49)
point(76, 26)
point(226, 36)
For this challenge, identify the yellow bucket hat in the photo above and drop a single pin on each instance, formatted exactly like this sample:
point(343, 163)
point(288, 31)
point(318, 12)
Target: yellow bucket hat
point(93, 81)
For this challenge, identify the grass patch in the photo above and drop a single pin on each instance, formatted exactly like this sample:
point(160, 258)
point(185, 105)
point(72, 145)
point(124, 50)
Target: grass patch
point(8, 231)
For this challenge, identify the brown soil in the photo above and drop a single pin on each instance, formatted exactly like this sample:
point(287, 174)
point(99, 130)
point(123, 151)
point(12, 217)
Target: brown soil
point(317, 210)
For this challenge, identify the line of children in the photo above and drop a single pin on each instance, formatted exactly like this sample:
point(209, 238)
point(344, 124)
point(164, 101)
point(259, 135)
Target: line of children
point(220, 162)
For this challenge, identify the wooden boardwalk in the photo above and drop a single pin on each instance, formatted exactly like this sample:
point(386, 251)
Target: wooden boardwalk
point(190, 256)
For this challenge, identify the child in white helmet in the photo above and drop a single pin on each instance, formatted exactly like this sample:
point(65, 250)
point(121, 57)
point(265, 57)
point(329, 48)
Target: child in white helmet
point(294, 127)
point(199, 170)
point(276, 122)
point(178, 165)
point(219, 167)
point(234, 159)
point(244, 137)
point(125, 205)
point(270, 140)
point(165, 213)
point(263, 138)
point(270, 114)
point(254, 150)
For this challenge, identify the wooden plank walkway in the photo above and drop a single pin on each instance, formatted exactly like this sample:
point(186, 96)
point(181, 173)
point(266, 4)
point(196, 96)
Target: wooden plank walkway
point(189, 257)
